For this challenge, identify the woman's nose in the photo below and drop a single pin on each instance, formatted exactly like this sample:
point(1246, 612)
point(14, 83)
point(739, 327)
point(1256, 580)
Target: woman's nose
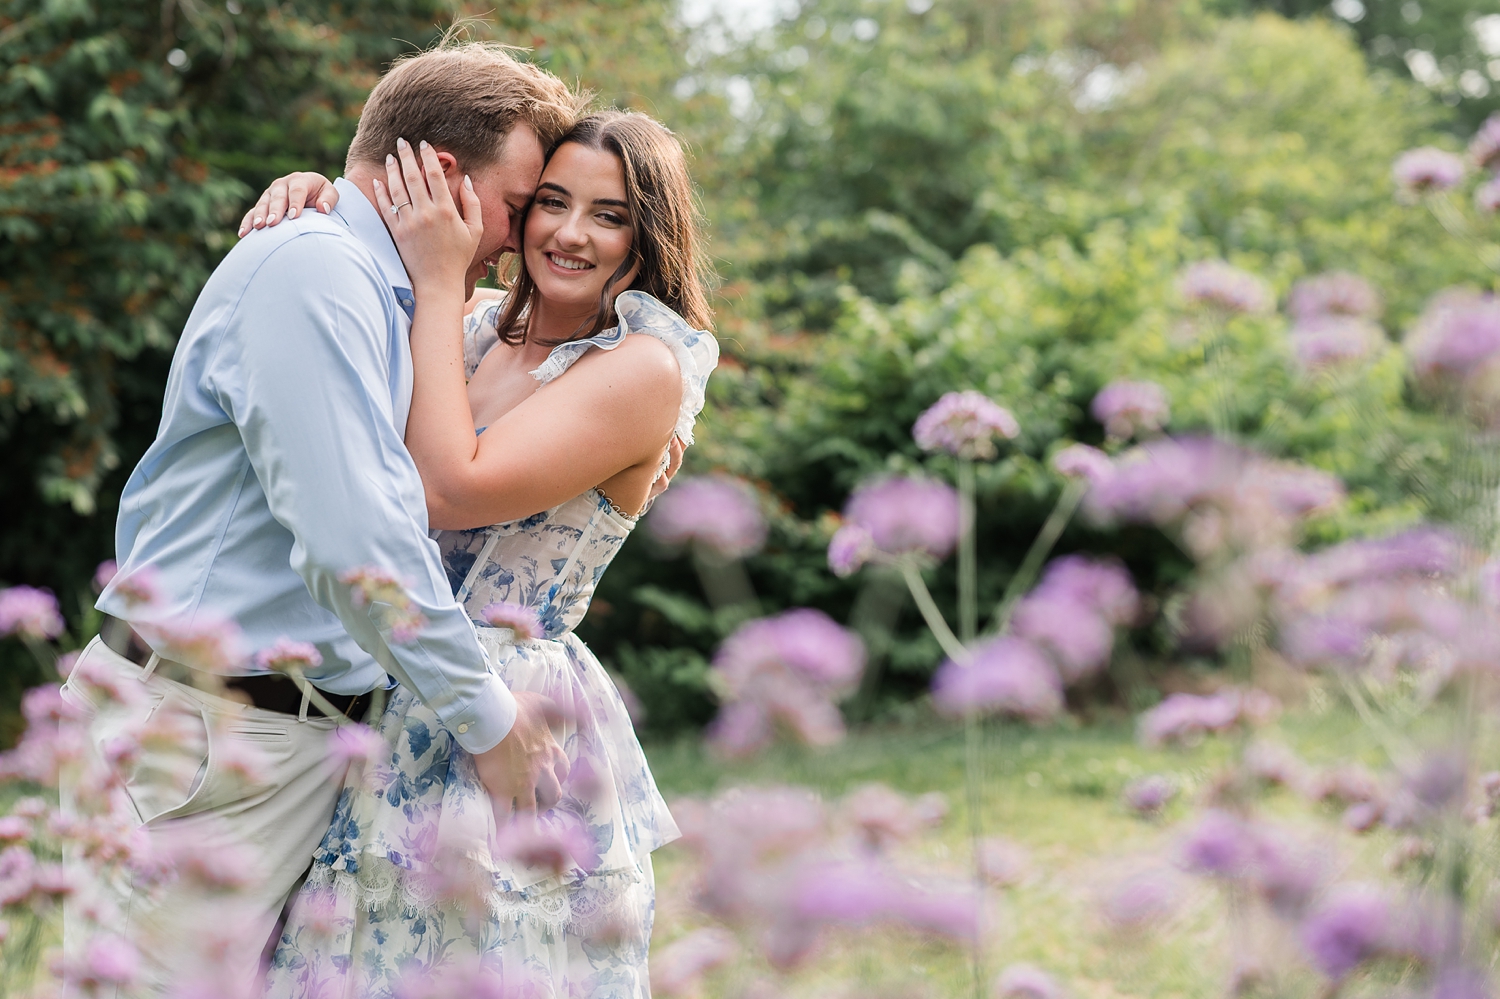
point(572, 231)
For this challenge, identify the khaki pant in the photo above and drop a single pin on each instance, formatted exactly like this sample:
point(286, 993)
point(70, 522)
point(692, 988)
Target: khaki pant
point(190, 789)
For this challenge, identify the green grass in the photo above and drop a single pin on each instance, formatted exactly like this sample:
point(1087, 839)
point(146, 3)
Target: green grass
point(1056, 792)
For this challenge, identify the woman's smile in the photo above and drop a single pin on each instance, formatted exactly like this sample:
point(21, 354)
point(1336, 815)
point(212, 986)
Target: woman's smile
point(566, 262)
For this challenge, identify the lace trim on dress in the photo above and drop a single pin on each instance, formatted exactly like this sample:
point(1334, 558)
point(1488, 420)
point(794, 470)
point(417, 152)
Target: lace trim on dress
point(578, 908)
point(697, 351)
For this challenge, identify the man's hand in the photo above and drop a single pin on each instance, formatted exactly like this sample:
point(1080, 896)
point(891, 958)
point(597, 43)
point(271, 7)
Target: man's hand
point(527, 769)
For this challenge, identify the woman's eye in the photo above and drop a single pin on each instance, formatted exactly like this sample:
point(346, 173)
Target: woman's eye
point(550, 202)
point(610, 218)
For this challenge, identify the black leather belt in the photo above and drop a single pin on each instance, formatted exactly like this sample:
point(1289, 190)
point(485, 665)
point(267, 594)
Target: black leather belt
point(269, 691)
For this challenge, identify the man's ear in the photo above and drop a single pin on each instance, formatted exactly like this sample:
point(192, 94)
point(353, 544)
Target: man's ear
point(450, 164)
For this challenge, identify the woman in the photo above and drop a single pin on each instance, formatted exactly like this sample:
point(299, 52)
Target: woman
point(578, 380)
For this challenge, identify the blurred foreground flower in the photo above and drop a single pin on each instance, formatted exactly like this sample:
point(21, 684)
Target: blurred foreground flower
point(1219, 285)
point(1336, 293)
point(1128, 409)
point(1072, 614)
point(286, 654)
point(1079, 461)
point(786, 670)
point(964, 424)
point(1454, 347)
point(461, 978)
point(522, 621)
point(1147, 796)
point(681, 965)
point(205, 643)
point(1332, 340)
point(716, 511)
point(30, 613)
point(1026, 981)
point(373, 586)
point(1418, 171)
point(1007, 676)
point(1184, 718)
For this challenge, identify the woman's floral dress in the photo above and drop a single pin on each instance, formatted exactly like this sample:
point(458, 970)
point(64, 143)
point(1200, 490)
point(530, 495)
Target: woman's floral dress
point(413, 841)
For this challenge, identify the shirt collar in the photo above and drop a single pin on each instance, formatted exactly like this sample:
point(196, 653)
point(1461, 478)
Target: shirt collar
point(365, 223)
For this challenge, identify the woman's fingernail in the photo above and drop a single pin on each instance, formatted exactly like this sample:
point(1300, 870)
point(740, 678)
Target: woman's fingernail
point(270, 220)
point(292, 212)
point(258, 220)
point(468, 183)
point(423, 144)
point(390, 160)
point(402, 144)
point(243, 230)
point(378, 185)
point(326, 209)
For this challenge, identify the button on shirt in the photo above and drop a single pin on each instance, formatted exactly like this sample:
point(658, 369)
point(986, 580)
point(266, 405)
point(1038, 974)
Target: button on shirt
point(279, 464)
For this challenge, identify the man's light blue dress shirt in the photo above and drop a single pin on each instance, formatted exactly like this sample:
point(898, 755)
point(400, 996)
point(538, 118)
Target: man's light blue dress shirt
point(279, 464)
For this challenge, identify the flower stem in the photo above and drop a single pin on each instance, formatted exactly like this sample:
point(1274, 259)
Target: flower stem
point(934, 617)
point(1067, 505)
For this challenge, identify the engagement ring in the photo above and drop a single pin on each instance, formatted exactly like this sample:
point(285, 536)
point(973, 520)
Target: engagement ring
point(396, 209)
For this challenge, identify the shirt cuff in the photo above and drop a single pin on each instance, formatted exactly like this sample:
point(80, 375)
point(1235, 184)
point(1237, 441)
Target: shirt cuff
point(486, 719)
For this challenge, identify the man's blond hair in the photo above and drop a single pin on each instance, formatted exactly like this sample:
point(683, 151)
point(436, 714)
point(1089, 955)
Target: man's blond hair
point(463, 98)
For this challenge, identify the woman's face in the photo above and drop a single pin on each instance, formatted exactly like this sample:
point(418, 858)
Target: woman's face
point(579, 229)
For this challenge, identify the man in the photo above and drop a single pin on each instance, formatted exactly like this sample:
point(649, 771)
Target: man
point(277, 471)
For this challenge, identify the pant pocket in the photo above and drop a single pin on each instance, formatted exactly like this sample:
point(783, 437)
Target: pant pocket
point(172, 762)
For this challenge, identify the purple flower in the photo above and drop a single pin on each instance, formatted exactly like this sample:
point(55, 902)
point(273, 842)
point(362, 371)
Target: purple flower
point(110, 960)
point(1148, 795)
point(30, 613)
point(1484, 148)
point(1079, 461)
point(1459, 983)
point(1219, 285)
point(1331, 340)
point(906, 515)
point(556, 841)
point(881, 817)
point(1161, 480)
point(849, 550)
point(1141, 901)
point(355, 744)
point(1130, 408)
point(965, 424)
point(1337, 293)
point(1025, 981)
point(1220, 845)
point(138, 589)
point(1458, 332)
point(1348, 928)
point(520, 619)
point(372, 585)
point(208, 643)
point(1104, 586)
point(1001, 862)
point(106, 571)
point(1079, 640)
point(1487, 195)
point(716, 511)
point(1439, 780)
point(461, 978)
point(677, 970)
point(285, 654)
point(1427, 169)
point(805, 642)
point(1007, 676)
point(1185, 717)
point(785, 669)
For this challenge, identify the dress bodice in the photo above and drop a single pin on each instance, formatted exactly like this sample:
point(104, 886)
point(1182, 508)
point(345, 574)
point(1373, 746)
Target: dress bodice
point(552, 561)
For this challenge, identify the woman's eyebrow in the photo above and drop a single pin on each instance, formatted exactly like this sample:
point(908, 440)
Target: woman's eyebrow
point(611, 201)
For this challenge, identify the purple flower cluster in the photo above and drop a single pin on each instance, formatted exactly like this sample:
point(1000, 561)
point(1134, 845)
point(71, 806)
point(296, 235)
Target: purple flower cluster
point(1147, 796)
point(1484, 148)
point(1026, 981)
point(716, 511)
point(30, 613)
point(372, 586)
point(1455, 347)
point(1073, 612)
point(1088, 464)
point(1418, 171)
point(1186, 718)
point(895, 517)
point(1349, 927)
point(208, 643)
point(523, 622)
point(1222, 286)
point(1275, 865)
point(771, 861)
point(285, 654)
point(555, 841)
point(786, 670)
point(1331, 341)
point(1336, 293)
point(1216, 493)
point(964, 424)
point(1006, 676)
point(681, 965)
point(1130, 408)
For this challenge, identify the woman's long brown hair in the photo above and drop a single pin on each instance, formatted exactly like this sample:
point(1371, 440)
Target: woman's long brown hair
point(668, 230)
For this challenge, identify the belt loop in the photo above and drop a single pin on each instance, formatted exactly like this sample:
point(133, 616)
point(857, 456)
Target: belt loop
point(306, 700)
point(150, 667)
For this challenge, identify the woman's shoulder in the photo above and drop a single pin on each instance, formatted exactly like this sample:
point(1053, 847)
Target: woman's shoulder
point(481, 329)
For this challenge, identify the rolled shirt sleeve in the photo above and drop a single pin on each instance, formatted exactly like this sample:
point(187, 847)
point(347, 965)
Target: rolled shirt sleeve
point(303, 369)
